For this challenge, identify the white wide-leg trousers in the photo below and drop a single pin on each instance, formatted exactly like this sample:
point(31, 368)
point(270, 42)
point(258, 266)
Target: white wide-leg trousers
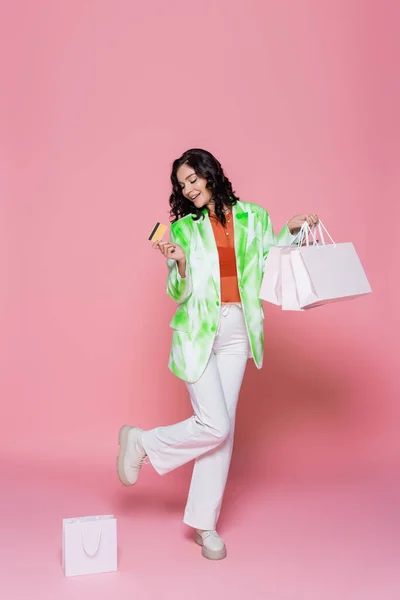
point(207, 436)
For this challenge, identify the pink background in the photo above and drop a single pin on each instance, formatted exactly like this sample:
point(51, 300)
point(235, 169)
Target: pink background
point(299, 101)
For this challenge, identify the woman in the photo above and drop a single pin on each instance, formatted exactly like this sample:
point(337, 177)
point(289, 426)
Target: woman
point(215, 260)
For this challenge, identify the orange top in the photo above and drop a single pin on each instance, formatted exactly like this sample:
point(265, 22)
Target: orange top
point(224, 238)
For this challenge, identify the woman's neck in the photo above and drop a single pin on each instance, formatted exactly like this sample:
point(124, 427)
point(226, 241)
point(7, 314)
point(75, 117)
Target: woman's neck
point(211, 208)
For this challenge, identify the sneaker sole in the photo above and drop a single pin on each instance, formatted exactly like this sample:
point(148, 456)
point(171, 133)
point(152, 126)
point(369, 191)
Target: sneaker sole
point(210, 554)
point(122, 441)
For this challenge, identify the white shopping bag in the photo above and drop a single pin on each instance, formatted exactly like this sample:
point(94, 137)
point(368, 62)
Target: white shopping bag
point(327, 273)
point(271, 286)
point(290, 299)
point(89, 545)
point(285, 281)
point(271, 290)
point(305, 292)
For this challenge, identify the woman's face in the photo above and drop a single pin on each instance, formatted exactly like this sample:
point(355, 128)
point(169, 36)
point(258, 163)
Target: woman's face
point(194, 188)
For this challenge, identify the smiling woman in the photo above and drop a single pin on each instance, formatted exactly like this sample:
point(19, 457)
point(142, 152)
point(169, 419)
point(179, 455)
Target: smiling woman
point(199, 182)
point(215, 260)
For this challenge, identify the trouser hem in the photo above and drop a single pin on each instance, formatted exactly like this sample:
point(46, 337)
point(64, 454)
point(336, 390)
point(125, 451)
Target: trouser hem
point(152, 456)
point(207, 522)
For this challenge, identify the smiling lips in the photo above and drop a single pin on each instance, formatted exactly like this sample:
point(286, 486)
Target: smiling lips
point(193, 198)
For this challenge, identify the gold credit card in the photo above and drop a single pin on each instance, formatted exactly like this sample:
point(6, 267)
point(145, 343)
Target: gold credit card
point(158, 232)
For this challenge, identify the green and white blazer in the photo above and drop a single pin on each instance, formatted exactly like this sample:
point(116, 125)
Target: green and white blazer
point(198, 294)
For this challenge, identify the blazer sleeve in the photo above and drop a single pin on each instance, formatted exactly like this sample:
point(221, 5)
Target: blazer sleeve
point(179, 288)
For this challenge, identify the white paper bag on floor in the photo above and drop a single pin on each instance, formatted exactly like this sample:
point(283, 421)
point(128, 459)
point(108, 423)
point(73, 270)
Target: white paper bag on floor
point(328, 273)
point(89, 545)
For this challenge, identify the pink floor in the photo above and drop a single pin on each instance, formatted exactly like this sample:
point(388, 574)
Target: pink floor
point(299, 541)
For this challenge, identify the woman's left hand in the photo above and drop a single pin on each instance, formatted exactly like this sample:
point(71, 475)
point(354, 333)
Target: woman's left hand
point(297, 221)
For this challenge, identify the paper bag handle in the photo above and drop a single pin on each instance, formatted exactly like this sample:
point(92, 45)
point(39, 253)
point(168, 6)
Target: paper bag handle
point(304, 235)
point(300, 236)
point(86, 551)
point(306, 230)
point(321, 227)
point(298, 240)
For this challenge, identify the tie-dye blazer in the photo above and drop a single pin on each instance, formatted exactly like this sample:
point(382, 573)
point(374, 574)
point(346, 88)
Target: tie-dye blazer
point(198, 294)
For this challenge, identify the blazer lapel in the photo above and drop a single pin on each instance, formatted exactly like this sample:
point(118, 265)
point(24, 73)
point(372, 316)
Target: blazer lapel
point(209, 248)
point(240, 224)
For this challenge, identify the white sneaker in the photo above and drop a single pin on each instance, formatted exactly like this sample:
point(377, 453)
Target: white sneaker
point(213, 546)
point(131, 456)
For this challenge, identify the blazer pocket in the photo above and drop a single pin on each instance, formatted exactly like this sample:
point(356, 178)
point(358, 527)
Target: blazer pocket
point(180, 320)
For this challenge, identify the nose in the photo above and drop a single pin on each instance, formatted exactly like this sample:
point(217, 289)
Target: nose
point(188, 189)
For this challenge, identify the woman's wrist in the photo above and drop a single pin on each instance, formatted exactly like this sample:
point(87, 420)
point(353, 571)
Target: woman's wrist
point(182, 267)
point(292, 230)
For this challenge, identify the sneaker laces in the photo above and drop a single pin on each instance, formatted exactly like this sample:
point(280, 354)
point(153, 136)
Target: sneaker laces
point(140, 462)
point(209, 533)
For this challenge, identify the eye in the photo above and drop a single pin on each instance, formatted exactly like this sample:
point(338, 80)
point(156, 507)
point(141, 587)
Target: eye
point(193, 180)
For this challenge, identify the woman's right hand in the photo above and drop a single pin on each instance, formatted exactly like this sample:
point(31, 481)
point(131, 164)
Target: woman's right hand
point(169, 250)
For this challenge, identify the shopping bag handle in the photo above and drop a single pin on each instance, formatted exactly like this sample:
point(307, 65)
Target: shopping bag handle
point(300, 235)
point(304, 233)
point(306, 230)
point(97, 545)
point(320, 228)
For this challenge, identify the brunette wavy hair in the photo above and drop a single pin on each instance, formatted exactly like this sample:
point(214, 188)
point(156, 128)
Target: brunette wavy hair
point(207, 166)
